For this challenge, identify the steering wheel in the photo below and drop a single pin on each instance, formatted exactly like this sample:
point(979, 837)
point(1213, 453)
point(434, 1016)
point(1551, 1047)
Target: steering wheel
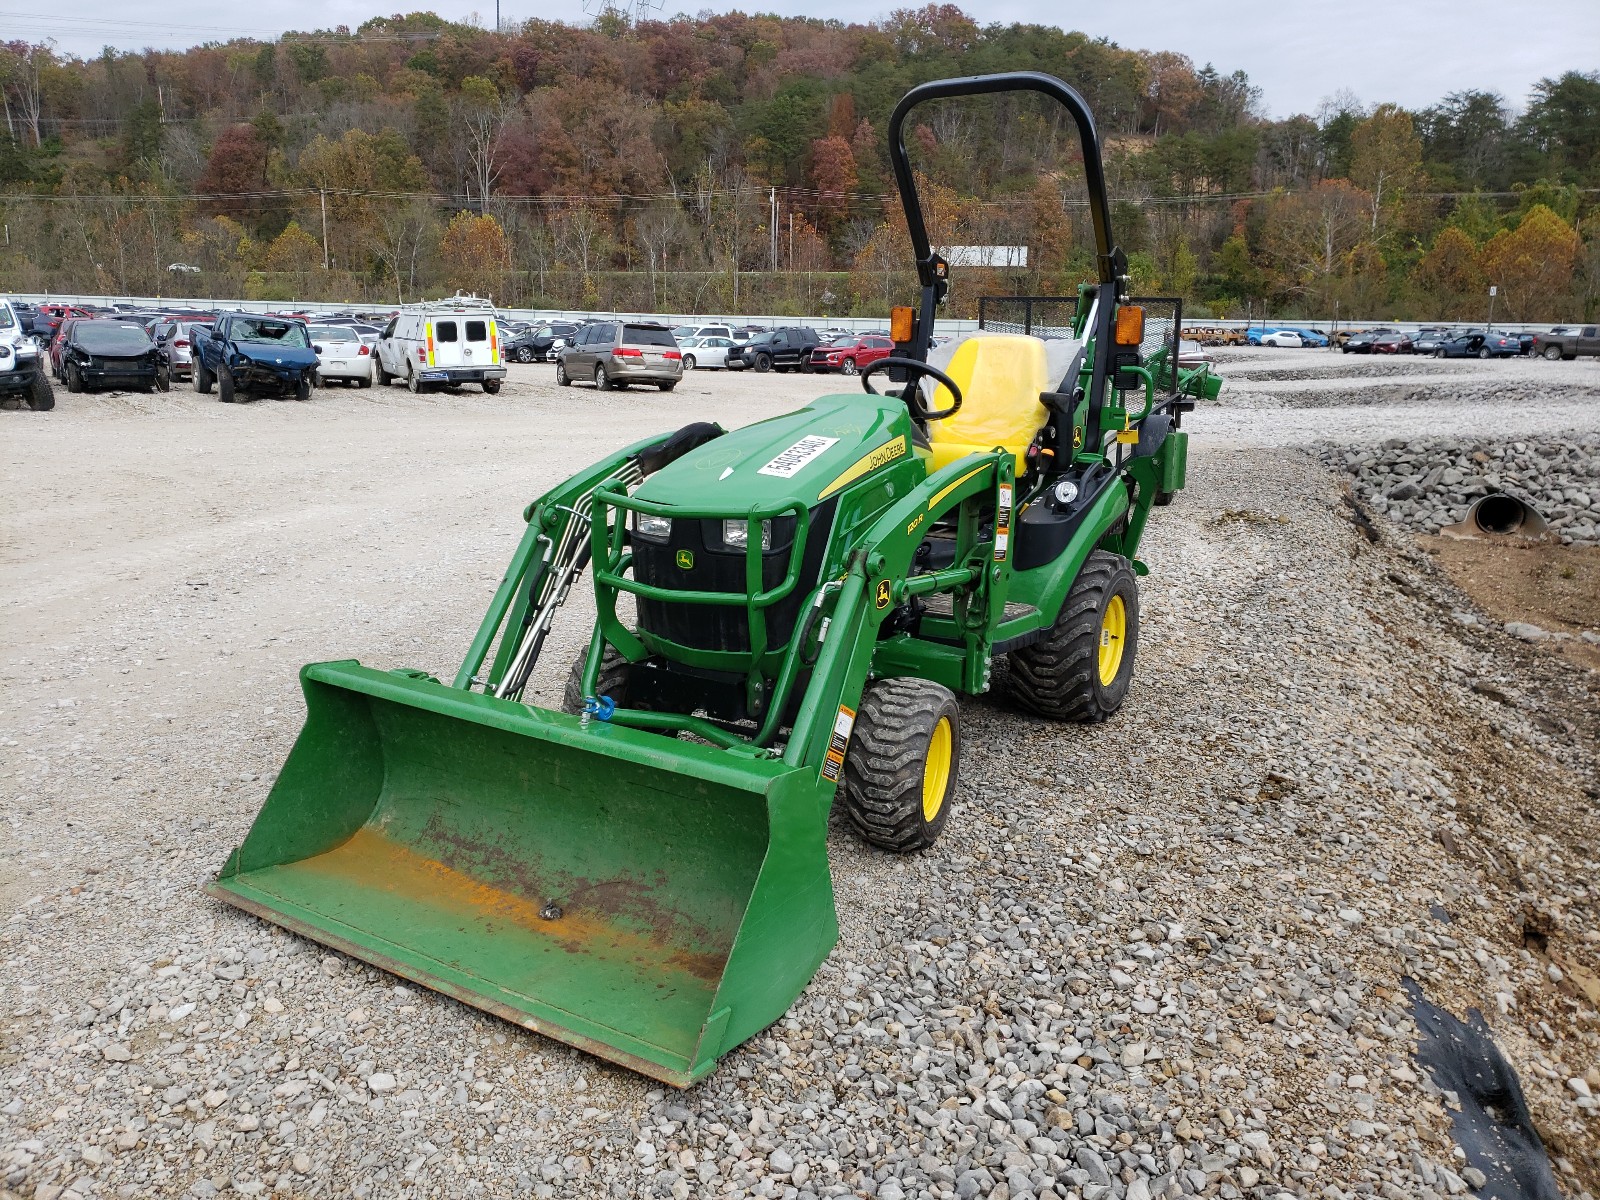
point(918, 369)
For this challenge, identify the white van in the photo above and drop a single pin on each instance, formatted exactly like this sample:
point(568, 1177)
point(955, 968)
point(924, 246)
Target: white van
point(442, 343)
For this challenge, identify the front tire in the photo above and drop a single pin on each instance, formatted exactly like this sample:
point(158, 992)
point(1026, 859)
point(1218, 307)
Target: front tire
point(849, 367)
point(1082, 668)
point(41, 396)
point(562, 377)
point(383, 374)
point(902, 762)
point(763, 363)
point(1439, 354)
point(302, 390)
point(612, 681)
point(202, 378)
point(74, 380)
point(224, 384)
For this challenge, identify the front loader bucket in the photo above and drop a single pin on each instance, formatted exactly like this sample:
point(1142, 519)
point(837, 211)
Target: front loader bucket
point(650, 900)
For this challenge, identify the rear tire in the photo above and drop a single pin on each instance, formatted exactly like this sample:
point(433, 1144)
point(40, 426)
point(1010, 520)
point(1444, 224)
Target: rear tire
point(612, 681)
point(412, 381)
point(601, 380)
point(688, 362)
point(1484, 353)
point(1553, 353)
point(41, 396)
point(1081, 670)
point(666, 387)
point(365, 381)
point(901, 766)
point(523, 355)
point(491, 386)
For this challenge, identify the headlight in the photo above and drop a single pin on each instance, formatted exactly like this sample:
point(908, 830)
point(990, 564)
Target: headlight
point(1066, 492)
point(652, 528)
point(736, 534)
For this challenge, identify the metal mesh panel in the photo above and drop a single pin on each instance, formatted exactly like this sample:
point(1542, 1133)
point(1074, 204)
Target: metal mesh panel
point(1041, 316)
point(1163, 322)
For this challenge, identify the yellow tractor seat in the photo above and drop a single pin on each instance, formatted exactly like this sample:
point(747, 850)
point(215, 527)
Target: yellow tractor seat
point(1000, 376)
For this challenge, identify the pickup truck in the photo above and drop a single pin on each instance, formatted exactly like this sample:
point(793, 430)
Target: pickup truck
point(254, 355)
point(1568, 341)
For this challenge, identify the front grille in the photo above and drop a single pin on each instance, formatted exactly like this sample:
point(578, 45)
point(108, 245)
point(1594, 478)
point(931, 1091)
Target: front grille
point(724, 626)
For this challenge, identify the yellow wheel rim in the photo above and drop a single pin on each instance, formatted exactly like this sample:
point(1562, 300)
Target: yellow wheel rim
point(936, 769)
point(1113, 636)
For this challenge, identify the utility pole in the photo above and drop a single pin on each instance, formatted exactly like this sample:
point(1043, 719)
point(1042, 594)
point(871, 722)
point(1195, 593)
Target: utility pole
point(772, 223)
point(791, 239)
point(323, 194)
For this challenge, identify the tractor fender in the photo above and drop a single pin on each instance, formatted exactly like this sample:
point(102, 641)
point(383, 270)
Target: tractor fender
point(1046, 586)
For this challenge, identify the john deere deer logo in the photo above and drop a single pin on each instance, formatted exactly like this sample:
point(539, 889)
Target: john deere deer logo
point(883, 593)
point(685, 559)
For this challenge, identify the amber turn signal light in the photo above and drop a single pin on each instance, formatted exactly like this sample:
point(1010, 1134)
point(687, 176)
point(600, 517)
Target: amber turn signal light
point(901, 320)
point(1130, 325)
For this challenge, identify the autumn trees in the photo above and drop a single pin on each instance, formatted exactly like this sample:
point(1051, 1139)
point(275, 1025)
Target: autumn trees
point(671, 164)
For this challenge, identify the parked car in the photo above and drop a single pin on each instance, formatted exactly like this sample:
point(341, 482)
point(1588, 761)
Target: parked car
point(23, 312)
point(1282, 337)
point(705, 352)
point(616, 353)
point(684, 332)
point(342, 355)
point(1568, 342)
point(22, 371)
point(849, 353)
point(1192, 354)
point(1392, 343)
point(254, 355)
point(112, 353)
point(47, 319)
point(1309, 337)
point(541, 342)
point(1361, 341)
point(446, 342)
point(1426, 341)
point(785, 349)
point(1477, 345)
point(177, 339)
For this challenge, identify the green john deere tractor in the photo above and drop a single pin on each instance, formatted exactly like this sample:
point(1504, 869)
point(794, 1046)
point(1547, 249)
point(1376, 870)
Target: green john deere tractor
point(644, 875)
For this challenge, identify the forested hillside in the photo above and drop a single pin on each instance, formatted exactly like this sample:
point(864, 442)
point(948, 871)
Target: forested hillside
point(641, 167)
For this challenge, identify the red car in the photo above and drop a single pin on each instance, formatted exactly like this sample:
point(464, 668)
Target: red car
point(59, 337)
point(1392, 343)
point(47, 318)
point(849, 354)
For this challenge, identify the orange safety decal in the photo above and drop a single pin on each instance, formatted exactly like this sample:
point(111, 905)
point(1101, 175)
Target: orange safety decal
point(833, 764)
point(1002, 522)
point(429, 329)
point(494, 343)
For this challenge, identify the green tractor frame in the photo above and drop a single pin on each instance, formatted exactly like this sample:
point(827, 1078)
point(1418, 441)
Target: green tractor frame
point(644, 874)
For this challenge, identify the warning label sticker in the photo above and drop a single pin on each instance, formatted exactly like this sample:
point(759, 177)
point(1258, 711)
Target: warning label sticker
point(789, 463)
point(833, 765)
point(1002, 523)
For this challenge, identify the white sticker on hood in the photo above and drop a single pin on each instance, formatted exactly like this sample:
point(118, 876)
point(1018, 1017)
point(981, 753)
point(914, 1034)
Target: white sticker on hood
point(788, 464)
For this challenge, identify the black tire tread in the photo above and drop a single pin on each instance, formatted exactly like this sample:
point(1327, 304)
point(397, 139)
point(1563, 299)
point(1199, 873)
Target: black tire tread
point(612, 681)
point(1056, 677)
point(884, 763)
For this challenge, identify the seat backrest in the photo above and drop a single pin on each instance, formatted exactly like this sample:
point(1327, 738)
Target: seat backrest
point(1000, 376)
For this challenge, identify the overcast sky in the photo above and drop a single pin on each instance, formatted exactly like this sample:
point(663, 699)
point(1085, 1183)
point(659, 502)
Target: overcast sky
point(1408, 51)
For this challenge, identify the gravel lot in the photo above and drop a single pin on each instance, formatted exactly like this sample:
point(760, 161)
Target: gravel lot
point(1161, 957)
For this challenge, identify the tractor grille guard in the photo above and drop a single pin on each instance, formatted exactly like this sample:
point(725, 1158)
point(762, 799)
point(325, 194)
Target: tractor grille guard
point(611, 561)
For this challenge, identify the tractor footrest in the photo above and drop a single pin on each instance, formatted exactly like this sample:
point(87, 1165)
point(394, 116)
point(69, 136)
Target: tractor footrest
point(940, 605)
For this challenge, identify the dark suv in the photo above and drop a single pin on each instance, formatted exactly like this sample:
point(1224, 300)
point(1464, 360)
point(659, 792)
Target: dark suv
point(780, 349)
